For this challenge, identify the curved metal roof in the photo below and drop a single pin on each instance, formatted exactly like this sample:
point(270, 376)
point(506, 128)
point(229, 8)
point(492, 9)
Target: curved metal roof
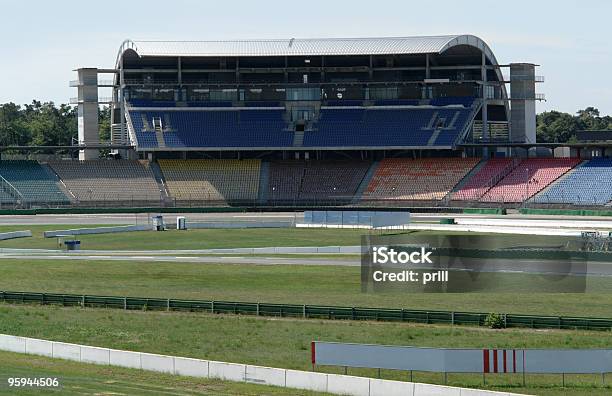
point(306, 47)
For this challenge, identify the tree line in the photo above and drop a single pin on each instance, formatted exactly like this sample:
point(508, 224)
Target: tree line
point(557, 127)
point(44, 124)
point(48, 124)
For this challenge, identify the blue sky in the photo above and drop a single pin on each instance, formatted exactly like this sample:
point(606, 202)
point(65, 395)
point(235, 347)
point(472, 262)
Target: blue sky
point(42, 41)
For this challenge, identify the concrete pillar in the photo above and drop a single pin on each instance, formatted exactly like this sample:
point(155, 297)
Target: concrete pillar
point(88, 112)
point(522, 100)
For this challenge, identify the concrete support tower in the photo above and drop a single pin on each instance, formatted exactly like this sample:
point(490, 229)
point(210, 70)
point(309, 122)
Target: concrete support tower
point(88, 112)
point(522, 101)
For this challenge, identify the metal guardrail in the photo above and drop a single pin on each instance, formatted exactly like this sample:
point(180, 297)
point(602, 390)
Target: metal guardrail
point(307, 311)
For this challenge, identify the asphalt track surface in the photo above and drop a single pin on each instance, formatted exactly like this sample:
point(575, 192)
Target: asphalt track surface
point(546, 267)
point(489, 265)
point(141, 218)
point(170, 218)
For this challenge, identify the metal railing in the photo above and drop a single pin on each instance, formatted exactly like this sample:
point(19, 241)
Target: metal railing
point(307, 311)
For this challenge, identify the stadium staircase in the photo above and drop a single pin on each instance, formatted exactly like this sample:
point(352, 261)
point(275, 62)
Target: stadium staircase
point(298, 139)
point(365, 182)
point(487, 175)
point(161, 182)
point(159, 132)
point(434, 137)
point(264, 182)
point(9, 194)
point(467, 178)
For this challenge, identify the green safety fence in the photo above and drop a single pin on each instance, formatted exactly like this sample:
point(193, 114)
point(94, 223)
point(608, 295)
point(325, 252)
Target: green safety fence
point(494, 211)
point(566, 212)
point(306, 311)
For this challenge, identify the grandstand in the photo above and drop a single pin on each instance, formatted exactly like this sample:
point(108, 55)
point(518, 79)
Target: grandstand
point(31, 183)
point(484, 178)
point(428, 179)
point(220, 181)
point(396, 121)
point(110, 181)
point(315, 181)
point(528, 178)
point(588, 184)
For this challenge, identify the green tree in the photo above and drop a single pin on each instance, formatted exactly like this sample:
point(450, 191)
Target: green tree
point(556, 127)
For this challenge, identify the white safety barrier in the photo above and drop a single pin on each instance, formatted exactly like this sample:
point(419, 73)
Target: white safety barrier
point(15, 234)
point(319, 382)
point(554, 223)
point(97, 230)
point(240, 224)
point(457, 227)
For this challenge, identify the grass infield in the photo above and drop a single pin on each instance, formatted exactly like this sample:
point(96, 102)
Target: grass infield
point(285, 343)
point(88, 379)
point(288, 284)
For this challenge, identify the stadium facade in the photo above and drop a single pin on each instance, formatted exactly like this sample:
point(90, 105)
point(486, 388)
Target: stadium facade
point(302, 98)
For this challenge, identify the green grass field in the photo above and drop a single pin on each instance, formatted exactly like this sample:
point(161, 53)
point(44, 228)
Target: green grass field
point(86, 379)
point(235, 238)
point(297, 284)
point(191, 239)
point(273, 342)
point(285, 342)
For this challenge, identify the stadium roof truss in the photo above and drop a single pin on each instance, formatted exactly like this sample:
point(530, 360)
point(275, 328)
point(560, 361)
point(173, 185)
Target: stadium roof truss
point(306, 47)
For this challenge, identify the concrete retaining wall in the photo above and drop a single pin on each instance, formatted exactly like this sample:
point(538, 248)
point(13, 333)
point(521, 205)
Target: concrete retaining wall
point(97, 230)
point(321, 382)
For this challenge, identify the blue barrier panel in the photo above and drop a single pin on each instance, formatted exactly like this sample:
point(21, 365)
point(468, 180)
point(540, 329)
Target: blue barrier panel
point(308, 217)
point(319, 217)
point(350, 218)
point(363, 218)
point(334, 217)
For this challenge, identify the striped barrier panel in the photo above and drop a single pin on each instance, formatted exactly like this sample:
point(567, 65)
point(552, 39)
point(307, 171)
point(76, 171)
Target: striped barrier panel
point(454, 360)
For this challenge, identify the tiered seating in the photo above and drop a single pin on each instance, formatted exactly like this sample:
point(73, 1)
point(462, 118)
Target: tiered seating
point(293, 181)
point(36, 183)
point(528, 178)
point(363, 127)
point(448, 136)
point(588, 184)
point(337, 180)
point(485, 178)
point(212, 180)
point(285, 181)
point(6, 198)
point(427, 179)
point(218, 128)
point(147, 139)
point(108, 180)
